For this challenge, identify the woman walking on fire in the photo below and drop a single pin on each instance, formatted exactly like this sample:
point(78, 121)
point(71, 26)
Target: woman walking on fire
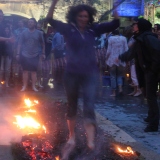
point(81, 69)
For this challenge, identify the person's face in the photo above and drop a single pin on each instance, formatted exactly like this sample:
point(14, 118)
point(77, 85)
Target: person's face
point(1, 16)
point(7, 30)
point(20, 24)
point(45, 24)
point(135, 28)
point(82, 19)
point(158, 33)
point(31, 24)
point(155, 27)
point(39, 26)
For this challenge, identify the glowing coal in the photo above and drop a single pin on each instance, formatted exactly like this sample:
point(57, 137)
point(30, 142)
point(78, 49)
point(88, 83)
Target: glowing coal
point(125, 151)
point(2, 82)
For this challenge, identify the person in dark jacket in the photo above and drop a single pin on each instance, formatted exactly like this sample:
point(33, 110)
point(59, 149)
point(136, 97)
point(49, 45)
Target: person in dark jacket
point(81, 68)
point(147, 68)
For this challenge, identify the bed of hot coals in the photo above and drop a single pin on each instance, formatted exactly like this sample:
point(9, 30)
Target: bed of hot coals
point(48, 146)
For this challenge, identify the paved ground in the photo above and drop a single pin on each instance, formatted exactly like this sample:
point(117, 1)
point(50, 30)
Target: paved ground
point(121, 117)
point(127, 113)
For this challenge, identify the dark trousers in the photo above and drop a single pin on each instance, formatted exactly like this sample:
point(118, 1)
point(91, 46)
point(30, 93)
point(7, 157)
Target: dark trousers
point(88, 83)
point(151, 80)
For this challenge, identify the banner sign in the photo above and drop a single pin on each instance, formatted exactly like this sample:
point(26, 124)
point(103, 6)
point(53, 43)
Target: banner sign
point(129, 8)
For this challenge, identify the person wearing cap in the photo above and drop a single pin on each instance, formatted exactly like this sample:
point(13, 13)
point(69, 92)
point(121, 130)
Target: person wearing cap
point(146, 68)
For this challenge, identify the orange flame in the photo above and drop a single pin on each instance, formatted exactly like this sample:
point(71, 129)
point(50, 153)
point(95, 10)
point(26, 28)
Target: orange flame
point(35, 101)
point(29, 103)
point(31, 111)
point(44, 128)
point(28, 122)
point(24, 122)
point(57, 158)
point(128, 150)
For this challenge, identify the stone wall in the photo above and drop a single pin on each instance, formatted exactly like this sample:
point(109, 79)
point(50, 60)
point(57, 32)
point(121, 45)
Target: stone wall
point(39, 10)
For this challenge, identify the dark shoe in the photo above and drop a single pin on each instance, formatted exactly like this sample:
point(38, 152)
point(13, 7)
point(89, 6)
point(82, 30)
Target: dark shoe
point(147, 120)
point(151, 129)
point(120, 94)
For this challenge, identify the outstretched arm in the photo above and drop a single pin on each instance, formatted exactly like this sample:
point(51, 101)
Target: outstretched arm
point(6, 39)
point(58, 25)
point(106, 27)
point(128, 55)
point(51, 10)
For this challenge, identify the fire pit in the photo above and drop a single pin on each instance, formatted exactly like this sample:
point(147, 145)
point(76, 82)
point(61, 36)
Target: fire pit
point(48, 146)
point(34, 147)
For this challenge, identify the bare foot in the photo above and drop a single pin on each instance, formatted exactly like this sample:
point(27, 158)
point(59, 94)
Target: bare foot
point(71, 140)
point(68, 148)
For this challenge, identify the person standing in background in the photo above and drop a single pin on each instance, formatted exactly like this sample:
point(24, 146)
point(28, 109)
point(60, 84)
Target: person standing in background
point(137, 91)
point(146, 50)
point(116, 45)
point(7, 56)
point(17, 33)
point(30, 41)
point(2, 43)
point(41, 59)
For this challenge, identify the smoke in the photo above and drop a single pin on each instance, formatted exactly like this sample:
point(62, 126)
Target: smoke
point(8, 131)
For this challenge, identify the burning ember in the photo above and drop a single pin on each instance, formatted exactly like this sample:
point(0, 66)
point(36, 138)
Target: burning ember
point(29, 103)
point(35, 147)
point(29, 121)
point(2, 82)
point(126, 151)
point(57, 158)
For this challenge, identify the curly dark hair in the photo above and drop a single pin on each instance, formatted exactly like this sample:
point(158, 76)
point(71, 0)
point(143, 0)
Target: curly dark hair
point(74, 10)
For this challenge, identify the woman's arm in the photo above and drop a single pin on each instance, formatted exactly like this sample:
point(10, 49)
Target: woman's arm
point(125, 45)
point(109, 48)
point(128, 55)
point(107, 26)
point(58, 25)
point(51, 9)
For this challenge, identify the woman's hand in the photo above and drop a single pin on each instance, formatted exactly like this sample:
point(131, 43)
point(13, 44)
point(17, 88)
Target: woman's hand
point(11, 39)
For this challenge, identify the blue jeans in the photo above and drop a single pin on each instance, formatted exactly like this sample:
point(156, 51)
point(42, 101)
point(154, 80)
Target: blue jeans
point(116, 73)
point(88, 83)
